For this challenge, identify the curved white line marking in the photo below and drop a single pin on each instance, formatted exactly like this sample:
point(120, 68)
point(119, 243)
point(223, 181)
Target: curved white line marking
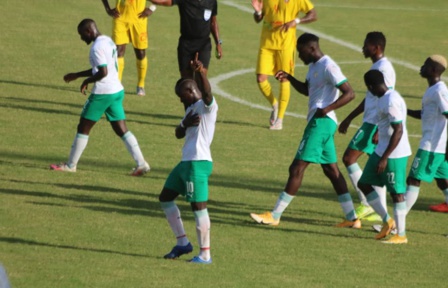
point(214, 83)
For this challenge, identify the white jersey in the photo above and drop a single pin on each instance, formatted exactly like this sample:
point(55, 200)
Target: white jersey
point(392, 109)
point(323, 78)
point(370, 103)
point(434, 108)
point(104, 53)
point(199, 138)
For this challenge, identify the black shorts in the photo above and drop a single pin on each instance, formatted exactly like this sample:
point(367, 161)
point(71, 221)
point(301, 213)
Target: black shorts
point(187, 49)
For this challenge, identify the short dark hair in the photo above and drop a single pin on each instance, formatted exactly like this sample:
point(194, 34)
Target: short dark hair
point(374, 77)
point(377, 38)
point(305, 38)
point(85, 23)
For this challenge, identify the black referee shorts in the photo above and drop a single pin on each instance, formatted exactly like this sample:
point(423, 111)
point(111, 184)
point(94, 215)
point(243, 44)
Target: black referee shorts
point(186, 50)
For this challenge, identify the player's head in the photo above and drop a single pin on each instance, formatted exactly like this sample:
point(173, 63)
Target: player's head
point(88, 31)
point(308, 48)
point(187, 90)
point(433, 67)
point(374, 81)
point(374, 44)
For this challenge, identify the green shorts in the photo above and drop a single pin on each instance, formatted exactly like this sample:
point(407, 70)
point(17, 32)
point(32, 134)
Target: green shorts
point(362, 141)
point(190, 179)
point(393, 177)
point(317, 145)
point(429, 165)
point(109, 104)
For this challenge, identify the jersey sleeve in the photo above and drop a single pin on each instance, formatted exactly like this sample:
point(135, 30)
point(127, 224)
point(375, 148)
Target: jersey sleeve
point(215, 8)
point(305, 6)
point(442, 99)
point(211, 107)
point(334, 75)
point(395, 113)
point(99, 58)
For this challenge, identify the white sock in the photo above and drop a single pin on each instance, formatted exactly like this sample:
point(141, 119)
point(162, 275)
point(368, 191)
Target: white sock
point(375, 203)
point(282, 202)
point(382, 193)
point(172, 214)
point(445, 192)
point(203, 232)
point(400, 212)
point(411, 196)
point(78, 146)
point(354, 173)
point(132, 145)
point(347, 206)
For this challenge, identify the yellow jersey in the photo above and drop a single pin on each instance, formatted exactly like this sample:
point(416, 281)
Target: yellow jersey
point(129, 9)
point(275, 14)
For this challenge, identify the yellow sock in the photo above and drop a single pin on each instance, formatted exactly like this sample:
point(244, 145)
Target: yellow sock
point(285, 92)
point(266, 90)
point(142, 67)
point(120, 67)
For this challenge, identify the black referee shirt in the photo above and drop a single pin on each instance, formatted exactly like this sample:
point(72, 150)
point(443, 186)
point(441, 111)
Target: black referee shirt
point(195, 17)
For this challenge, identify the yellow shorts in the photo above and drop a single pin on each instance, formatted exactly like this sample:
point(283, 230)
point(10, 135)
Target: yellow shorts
point(135, 32)
point(271, 61)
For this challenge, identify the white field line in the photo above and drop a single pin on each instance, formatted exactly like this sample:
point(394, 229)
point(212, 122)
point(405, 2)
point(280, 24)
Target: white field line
point(216, 80)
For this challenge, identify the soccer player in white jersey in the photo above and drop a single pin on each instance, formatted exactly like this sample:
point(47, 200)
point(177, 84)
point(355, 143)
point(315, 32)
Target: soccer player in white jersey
point(429, 162)
point(106, 98)
point(387, 165)
point(324, 82)
point(190, 177)
point(363, 142)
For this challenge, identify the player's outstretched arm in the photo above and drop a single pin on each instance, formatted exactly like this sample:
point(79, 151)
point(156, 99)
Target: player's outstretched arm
point(301, 87)
point(162, 2)
point(417, 114)
point(73, 76)
point(346, 122)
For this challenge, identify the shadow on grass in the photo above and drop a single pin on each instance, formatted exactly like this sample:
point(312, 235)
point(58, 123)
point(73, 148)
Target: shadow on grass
point(78, 108)
point(55, 87)
point(20, 241)
point(84, 167)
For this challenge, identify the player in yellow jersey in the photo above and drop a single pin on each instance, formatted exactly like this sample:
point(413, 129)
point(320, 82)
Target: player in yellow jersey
point(130, 21)
point(277, 47)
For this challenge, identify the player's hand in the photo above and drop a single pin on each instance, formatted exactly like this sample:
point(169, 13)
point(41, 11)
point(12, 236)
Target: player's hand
point(192, 119)
point(146, 13)
point(446, 152)
point(218, 52)
point(281, 75)
point(257, 5)
point(196, 64)
point(344, 126)
point(286, 26)
point(83, 87)
point(70, 77)
point(382, 164)
point(375, 138)
point(320, 113)
point(113, 13)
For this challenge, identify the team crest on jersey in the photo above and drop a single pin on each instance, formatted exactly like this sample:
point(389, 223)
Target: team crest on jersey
point(207, 14)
